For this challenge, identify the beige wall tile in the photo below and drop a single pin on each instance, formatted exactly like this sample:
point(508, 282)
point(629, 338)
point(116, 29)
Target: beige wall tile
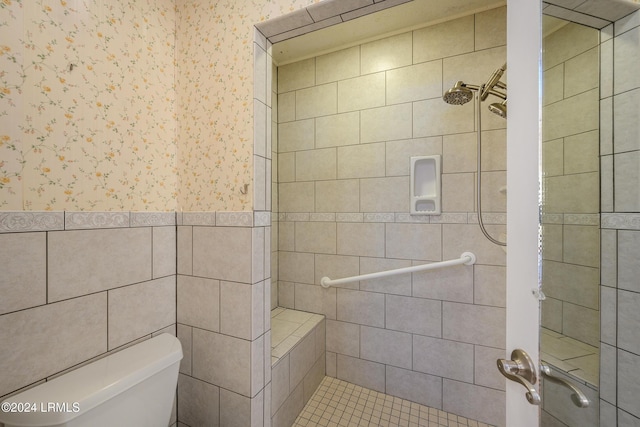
point(185, 250)
point(397, 284)
point(628, 268)
point(286, 238)
point(235, 410)
point(628, 321)
point(386, 123)
point(361, 161)
point(485, 62)
point(628, 382)
point(335, 267)
point(296, 267)
point(295, 136)
point(553, 84)
point(567, 193)
point(316, 165)
point(184, 335)
point(286, 295)
point(338, 129)
point(458, 192)
point(434, 117)
point(414, 386)
point(71, 332)
point(582, 72)
point(314, 377)
point(493, 200)
point(459, 153)
point(364, 308)
point(489, 285)
point(301, 359)
point(199, 402)
point(241, 310)
point(361, 239)
point(444, 358)
point(85, 261)
point(474, 324)
point(286, 108)
point(141, 309)
point(491, 28)
point(582, 245)
point(581, 153)
point(442, 40)
point(573, 283)
point(413, 315)
point(571, 116)
point(384, 194)
point(339, 65)
point(309, 298)
point(337, 196)
point(289, 411)
point(360, 93)
point(398, 153)
point(362, 372)
point(343, 338)
point(413, 83)
point(317, 237)
point(626, 60)
point(257, 365)
point(414, 241)
point(473, 402)
point(385, 346)
point(459, 238)
point(164, 251)
point(298, 75)
point(222, 253)
point(258, 253)
point(626, 178)
point(317, 101)
point(387, 53)
point(279, 383)
point(198, 301)
point(296, 197)
point(486, 373)
point(569, 41)
point(448, 284)
point(23, 282)
point(222, 360)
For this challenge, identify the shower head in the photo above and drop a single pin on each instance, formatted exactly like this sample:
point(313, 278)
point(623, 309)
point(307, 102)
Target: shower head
point(499, 108)
point(459, 94)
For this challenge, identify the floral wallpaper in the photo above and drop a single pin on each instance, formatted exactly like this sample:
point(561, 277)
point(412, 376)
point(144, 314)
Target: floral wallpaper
point(215, 92)
point(128, 104)
point(87, 105)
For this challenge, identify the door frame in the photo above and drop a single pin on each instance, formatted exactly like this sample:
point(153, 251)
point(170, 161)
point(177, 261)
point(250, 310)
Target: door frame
point(524, 59)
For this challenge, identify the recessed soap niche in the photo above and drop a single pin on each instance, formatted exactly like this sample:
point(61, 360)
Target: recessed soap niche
point(425, 185)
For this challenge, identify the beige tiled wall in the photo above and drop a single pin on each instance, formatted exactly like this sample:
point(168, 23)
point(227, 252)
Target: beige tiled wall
point(223, 306)
point(79, 294)
point(620, 234)
point(571, 181)
point(348, 122)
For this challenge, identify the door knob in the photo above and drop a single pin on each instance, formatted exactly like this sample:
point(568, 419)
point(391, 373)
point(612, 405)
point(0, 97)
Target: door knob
point(521, 369)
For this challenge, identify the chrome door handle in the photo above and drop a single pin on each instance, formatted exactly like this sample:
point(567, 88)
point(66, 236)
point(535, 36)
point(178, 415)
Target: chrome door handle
point(577, 397)
point(522, 370)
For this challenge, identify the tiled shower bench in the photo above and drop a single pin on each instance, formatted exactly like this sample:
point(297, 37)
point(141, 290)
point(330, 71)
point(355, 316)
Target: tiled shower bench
point(297, 362)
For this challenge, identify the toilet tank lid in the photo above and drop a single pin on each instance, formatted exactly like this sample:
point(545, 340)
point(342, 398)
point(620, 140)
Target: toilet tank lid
point(95, 383)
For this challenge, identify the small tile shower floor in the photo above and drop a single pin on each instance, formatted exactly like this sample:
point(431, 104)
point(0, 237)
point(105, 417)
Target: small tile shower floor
point(338, 403)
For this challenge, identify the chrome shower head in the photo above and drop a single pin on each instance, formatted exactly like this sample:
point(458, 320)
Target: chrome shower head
point(458, 95)
point(499, 108)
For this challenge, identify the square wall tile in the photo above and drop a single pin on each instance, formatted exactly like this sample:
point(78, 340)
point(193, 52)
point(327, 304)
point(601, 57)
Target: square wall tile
point(71, 331)
point(23, 282)
point(140, 309)
point(86, 261)
point(198, 301)
point(223, 253)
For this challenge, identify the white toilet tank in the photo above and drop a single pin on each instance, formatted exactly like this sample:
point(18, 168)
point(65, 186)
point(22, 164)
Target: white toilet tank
point(134, 387)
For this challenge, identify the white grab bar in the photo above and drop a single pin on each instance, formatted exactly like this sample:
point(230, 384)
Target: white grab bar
point(467, 258)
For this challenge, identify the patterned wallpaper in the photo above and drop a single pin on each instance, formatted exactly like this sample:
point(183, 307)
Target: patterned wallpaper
point(91, 117)
point(215, 92)
point(87, 105)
